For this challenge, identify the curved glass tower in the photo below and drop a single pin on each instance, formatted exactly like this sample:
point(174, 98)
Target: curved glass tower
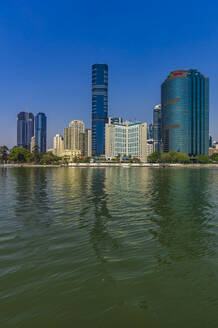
point(40, 131)
point(157, 127)
point(185, 112)
point(25, 129)
point(99, 107)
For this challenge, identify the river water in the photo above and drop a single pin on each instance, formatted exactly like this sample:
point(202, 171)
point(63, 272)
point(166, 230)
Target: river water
point(108, 247)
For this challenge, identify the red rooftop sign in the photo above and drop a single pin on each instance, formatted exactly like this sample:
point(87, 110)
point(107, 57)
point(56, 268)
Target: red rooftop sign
point(178, 73)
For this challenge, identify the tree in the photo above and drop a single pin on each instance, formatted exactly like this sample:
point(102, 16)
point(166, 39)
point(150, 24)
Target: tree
point(87, 160)
point(171, 157)
point(20, 155)
point(35, 156)
point(182, 158)
point(165, 158)
point(49, 158)
point(154, 157)
point(76, 159)
point(118, 157)
point(135, 160)
point(3, 153)
point(203, 159)
point(214, 157)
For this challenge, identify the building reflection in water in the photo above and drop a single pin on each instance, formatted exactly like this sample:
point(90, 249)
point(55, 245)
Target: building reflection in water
point(31, 194)
point(181, 209)
point(102, 238)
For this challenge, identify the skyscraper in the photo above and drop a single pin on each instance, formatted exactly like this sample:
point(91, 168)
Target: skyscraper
point(88, 143)
point(185, 112)
point(41, 132)
point(150, 131)
point(82, 143)
point(32, 144)
point(99, 107)
point(58, 145)
point(157, 116)
point(210, 141)
point(72, 138)
point(25, 129)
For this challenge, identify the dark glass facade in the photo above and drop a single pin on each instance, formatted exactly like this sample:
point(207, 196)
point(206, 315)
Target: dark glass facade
point(210, 141)
point(41, 132)
point(150, 131)
point(185, 112)
point(157, 124)
point(25, 129)
point(99, 107)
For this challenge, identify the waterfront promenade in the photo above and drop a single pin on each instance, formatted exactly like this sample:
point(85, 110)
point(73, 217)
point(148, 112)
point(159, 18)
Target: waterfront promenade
point(127, 165)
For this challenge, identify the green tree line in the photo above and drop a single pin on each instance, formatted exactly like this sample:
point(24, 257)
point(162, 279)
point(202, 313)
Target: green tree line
point(23, 155)
point(176, 157)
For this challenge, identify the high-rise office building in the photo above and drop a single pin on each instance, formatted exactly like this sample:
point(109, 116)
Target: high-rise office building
point(41, 132)
point(32, 144)
point(25, 129)
point(157, 122)
point(185, 112)
point(210, 141)
point(150, 131)
point(99, 107)
point(126, 139)
point(58, 145)
point(72, 138)
point(88, 142)
point(82, 143)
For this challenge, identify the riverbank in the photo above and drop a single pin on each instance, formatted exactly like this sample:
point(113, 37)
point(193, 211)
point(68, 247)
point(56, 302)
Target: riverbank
point(125, 165)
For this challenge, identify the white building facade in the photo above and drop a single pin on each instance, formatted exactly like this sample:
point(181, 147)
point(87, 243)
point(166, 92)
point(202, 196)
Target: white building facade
point(126, 139)
point(150, 146)
point(32, 144)
point(72, 134)
point(88, 142)
point(58, 145)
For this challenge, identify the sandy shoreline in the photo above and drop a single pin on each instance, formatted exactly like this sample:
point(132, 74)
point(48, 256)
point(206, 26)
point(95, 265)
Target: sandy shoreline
point(124, 165)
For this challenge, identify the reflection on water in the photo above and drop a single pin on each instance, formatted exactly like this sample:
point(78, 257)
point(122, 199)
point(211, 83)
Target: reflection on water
point(182, 212)
point(109, 247)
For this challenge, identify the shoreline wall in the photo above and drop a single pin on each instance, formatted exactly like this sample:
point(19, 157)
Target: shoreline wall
point(127, 165)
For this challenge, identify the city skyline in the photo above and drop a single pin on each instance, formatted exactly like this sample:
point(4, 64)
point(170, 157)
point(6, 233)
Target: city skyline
point(46, 65)
point(50, 140)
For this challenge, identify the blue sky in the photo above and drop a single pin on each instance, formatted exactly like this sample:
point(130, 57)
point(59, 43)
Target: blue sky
point(47, 49)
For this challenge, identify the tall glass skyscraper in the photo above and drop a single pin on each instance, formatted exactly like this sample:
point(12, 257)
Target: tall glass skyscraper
point(185, 112)
point(41, 132)
point(157, 123)
point(99, 107)
point(25, 129)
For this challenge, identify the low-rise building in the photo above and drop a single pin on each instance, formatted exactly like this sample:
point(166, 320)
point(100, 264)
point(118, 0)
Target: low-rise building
point(70, 154)
point(213, 151)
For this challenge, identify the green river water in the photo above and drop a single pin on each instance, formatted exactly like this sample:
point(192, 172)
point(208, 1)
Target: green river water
point(108, 247)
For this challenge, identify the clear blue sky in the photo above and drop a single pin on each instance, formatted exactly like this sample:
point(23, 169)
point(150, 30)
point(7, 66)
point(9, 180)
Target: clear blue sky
point(47, 49)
